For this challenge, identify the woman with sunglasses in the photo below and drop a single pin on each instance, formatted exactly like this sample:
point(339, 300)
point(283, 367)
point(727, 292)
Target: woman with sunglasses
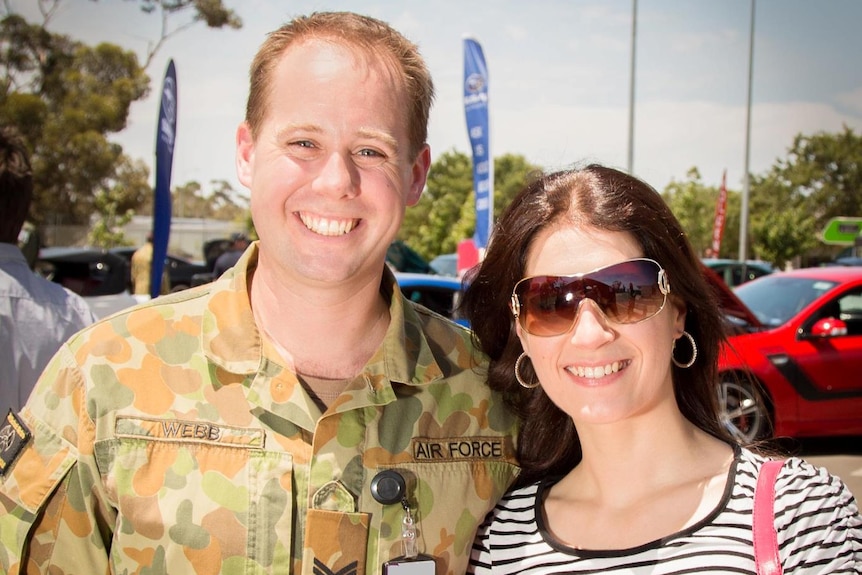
point(605, 337)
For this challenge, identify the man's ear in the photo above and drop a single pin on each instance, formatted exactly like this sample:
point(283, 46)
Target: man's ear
point(244, 154)
point(421, 165)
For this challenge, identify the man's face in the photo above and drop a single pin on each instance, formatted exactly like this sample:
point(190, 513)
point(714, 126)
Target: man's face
point(330, 172)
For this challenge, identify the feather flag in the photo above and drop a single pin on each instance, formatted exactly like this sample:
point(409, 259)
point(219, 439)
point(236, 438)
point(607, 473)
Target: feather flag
point(165, 138)
point(476, 110)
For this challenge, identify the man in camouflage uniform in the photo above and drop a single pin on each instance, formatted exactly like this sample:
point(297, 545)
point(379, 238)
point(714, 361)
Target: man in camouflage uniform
point(241, 427)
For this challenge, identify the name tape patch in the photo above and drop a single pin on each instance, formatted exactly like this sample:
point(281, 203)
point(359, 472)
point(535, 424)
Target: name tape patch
point(184, 430)
point(457, 448)
point(14, 436)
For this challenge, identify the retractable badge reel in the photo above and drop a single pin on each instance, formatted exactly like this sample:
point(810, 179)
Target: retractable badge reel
point(388, 487)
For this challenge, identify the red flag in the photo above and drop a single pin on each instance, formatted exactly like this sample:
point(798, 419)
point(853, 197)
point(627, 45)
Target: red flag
point(720, 212)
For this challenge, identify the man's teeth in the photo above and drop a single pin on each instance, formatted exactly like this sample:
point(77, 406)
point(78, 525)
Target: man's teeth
point(327, 227)
point(596, 372)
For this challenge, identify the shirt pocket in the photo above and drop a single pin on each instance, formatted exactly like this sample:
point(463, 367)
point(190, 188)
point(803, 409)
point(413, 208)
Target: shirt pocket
point(191, 494)
point(448, 501)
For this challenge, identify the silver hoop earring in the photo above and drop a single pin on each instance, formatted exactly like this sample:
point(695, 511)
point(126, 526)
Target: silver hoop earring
point(518, 373)
point(693, 352)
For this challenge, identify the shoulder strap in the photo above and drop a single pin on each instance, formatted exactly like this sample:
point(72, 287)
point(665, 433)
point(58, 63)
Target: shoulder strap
point(765, 539)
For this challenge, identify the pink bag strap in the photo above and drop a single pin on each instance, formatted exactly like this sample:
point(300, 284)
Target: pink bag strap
point(765, 540)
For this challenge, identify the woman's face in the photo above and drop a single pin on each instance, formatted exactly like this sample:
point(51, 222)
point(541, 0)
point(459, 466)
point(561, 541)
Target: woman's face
point(600, 371)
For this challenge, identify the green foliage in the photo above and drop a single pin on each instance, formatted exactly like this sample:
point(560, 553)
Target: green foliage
point(445, 215)
point(820, 179)
point(190, 200)
point(440, 219)
point(694, 205)
point(67, 98)
point(784, 235)
point(107, 231)
point(511, 174)
point(211, 12)
point(112, 204)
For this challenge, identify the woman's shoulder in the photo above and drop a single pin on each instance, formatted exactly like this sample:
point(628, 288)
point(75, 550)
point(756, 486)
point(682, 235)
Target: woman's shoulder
point(796, 473)
point(521, 497)
point(803, 491)
point(520, 502)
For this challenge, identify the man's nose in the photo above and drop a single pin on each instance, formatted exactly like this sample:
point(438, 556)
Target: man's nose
point(337, 176)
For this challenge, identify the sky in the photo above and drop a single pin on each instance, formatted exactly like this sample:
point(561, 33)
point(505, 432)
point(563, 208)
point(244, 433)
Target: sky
point(559, 78)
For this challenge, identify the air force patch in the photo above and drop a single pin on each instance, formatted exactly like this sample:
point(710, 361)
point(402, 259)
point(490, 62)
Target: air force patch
point(14, 436)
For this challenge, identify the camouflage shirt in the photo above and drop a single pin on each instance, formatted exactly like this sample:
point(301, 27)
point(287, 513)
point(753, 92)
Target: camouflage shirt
point(170, 439)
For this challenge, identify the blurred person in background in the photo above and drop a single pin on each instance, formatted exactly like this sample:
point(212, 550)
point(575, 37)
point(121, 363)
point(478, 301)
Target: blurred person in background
point(239, 242)
point(141, 267)
point(36, 315)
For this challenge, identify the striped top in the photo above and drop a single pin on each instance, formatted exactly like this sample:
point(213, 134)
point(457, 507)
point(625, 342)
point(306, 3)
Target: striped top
point(816, 517)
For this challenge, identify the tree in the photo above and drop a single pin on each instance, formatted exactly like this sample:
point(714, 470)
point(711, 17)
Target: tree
point(441, 219)
point(694, 205)
point(212, 12)
point(511, 174)
point(821, 178)
point(67, 98)
point(79, 95)
point(110, 203)
point(190, 200)
point(445, 215)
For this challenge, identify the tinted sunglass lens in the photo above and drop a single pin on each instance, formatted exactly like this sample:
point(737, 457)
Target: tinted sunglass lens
point(636, 293)
point(627, 292)
point(549, 306)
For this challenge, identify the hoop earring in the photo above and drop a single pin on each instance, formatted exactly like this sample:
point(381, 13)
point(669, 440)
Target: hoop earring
point(518, 373)
point(693, 352)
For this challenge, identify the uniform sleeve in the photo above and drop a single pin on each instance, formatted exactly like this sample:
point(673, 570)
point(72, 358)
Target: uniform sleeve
point(818, 523)
point(52, 514)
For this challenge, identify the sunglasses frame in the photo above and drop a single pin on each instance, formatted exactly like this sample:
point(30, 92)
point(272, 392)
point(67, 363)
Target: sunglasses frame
point(661, 281)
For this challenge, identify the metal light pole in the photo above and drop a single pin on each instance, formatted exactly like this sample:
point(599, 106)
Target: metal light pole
point(632, 90)
point(743, 214)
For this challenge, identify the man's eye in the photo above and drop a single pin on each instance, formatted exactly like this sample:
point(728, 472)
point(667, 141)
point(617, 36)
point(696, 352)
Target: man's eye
point(370, 157)
point(370, 153)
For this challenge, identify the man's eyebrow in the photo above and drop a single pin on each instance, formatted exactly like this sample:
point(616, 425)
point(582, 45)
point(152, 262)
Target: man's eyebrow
point(375, 134)
point(290, 128)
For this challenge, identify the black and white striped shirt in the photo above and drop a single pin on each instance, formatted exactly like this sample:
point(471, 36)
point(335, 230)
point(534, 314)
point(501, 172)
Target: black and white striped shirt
point(816, 517)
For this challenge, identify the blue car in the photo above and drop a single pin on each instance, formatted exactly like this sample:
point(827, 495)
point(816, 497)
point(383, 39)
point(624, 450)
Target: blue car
point(440, 294)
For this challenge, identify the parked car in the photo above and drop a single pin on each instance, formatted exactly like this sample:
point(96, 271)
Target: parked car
point(734, 272)
point(180, 270)
point(445, 264)
point(438, 293)
point(793, 368)
point(846, 261)
point(99, 276)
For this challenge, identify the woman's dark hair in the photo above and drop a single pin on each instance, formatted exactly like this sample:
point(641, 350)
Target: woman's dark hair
point(606, 199)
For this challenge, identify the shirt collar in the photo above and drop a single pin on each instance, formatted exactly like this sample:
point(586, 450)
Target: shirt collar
point(232, 340)
point(11, 252)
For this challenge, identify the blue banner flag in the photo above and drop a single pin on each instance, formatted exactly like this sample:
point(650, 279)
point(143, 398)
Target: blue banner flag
point(165, 137)
point(476, 110)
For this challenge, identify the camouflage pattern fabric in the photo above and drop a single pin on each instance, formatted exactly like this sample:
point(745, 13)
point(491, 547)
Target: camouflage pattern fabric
point(170, 439)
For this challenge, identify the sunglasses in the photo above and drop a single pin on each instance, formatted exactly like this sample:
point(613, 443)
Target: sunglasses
point(628, 292)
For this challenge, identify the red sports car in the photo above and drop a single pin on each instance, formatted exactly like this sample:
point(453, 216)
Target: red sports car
point(794, 367)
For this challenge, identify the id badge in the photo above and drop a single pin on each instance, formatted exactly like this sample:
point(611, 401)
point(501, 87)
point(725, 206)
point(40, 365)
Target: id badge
point(419, 565)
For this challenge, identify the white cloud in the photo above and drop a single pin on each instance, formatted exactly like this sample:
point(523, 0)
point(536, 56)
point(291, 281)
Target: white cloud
point(852, 100)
